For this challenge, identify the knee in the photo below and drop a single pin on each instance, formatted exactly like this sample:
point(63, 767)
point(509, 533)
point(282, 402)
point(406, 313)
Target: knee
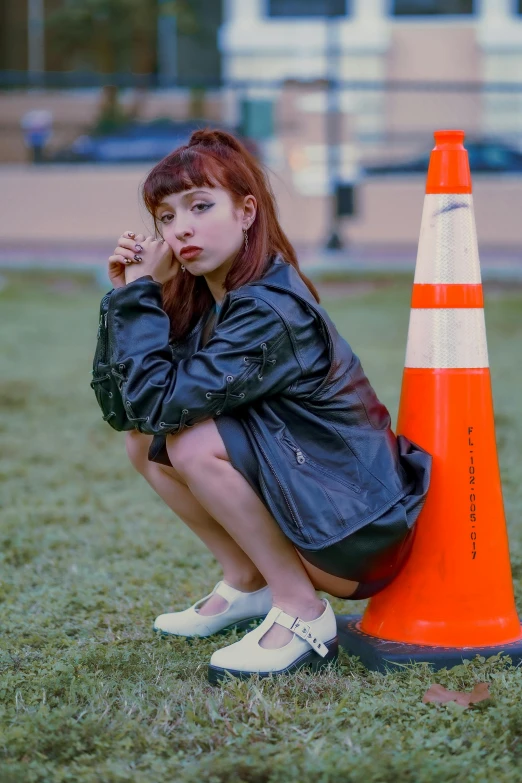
point(137, 445)
point(188, 454)
point(182, 455)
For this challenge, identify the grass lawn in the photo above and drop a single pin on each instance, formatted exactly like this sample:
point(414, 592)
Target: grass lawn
point(90, 555)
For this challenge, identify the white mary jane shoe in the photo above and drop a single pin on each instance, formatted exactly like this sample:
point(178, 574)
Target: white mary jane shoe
point(242, 611)
point(314, 645)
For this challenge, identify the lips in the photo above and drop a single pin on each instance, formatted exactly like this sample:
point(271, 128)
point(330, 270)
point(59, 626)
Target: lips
point(191, 251)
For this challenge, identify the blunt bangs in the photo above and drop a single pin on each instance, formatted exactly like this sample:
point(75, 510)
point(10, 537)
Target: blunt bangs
point(184, 169)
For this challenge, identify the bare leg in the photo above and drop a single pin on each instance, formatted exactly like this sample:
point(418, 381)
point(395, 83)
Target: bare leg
point(335, 585)
point(238, 570)
point(200, 457)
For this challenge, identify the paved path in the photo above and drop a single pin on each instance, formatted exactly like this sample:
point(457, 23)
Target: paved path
point(93, 257)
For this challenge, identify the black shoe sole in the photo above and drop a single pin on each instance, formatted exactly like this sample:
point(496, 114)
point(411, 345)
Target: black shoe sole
point(310, 660)
point(241, 625)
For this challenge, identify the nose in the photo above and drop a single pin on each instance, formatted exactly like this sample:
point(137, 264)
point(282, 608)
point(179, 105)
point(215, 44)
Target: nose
point(182, 232)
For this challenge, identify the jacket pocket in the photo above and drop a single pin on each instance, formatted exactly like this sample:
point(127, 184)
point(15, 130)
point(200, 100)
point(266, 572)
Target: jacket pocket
point(328, 504)
point(302, 458)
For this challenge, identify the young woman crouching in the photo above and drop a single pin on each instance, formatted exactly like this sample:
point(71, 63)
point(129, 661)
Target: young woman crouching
point(249, 415)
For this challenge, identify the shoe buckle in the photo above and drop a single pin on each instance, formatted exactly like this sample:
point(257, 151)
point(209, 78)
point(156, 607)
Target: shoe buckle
point(303, 630)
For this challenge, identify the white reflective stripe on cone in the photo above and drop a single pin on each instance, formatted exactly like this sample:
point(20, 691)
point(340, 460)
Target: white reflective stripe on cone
point(448, 250)
point(447, 338)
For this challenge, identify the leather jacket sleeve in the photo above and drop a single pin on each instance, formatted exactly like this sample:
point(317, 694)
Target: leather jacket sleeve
point(249, 356)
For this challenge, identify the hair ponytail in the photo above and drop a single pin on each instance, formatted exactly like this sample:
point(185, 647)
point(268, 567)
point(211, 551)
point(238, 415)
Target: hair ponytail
point(214, 157)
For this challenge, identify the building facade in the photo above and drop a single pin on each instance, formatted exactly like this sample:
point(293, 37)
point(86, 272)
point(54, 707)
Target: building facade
point(383, 42)
point(391, 71)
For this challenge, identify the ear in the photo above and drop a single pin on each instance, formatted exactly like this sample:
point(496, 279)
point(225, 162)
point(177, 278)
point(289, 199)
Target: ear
point(249, 211)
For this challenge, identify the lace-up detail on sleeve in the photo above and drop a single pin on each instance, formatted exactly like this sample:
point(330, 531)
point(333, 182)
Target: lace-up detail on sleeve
point(119, 375)
point(226, 396)
point(121, 378)
point(262, 360)
point(164, 425)
point(100, 380)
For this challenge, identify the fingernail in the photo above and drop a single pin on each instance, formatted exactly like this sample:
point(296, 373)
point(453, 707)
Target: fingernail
point(138, 258)
point(132, 234)
point(138, 248)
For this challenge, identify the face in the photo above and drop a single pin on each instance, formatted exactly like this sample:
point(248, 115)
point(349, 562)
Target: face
point(207, 219)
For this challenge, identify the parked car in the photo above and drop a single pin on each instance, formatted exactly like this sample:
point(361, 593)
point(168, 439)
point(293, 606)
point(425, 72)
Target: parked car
point(485, 156)
point(135, 142)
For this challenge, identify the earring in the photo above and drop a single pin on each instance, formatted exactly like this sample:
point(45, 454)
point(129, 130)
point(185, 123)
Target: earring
point(246, 238)
point(182, 267)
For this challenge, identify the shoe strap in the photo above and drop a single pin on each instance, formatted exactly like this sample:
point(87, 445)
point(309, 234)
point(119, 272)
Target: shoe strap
point(226, 591)
point(300, 627)
point(205, 597)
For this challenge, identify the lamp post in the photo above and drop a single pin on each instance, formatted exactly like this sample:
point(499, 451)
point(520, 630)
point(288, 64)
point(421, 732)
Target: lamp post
point(332, 53)
point(167, 43)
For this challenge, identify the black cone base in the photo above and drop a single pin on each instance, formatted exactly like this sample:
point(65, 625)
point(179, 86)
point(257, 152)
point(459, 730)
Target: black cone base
point(381, 655)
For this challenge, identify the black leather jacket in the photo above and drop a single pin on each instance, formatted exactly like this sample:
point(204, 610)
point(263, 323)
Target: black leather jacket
point(329, 463)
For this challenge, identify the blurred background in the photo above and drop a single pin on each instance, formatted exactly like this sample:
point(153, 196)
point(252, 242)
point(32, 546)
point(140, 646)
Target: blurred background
point(338, 98)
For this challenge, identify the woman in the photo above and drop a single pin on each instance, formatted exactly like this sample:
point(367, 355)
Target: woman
point(249, 415)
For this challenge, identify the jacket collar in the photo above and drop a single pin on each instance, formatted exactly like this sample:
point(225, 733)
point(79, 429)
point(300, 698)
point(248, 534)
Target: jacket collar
point(283, 275)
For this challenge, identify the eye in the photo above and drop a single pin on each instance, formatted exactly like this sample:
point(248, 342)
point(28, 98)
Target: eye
point(203, 205)
point(166, 218)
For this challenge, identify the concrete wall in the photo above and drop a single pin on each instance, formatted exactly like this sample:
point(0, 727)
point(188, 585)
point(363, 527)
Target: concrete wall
point(95, 205)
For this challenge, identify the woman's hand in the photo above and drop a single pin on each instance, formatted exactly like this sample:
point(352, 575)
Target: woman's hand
point(122, 257)
point(152, 257)
point(137, 255)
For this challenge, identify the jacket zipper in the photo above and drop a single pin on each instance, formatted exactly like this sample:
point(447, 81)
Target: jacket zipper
point(103, 322)
point(105, 341)
point(300, 458)
point(102, 330)
point(283, 492)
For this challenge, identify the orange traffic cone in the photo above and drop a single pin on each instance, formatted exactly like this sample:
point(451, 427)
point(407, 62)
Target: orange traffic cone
point(454, 597)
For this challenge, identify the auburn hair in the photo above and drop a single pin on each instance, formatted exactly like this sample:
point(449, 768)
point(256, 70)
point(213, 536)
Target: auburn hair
point(213, 158)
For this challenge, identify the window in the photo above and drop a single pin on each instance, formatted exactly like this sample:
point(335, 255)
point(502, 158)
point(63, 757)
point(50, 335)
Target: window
point(432, 7)
point(307, 7)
